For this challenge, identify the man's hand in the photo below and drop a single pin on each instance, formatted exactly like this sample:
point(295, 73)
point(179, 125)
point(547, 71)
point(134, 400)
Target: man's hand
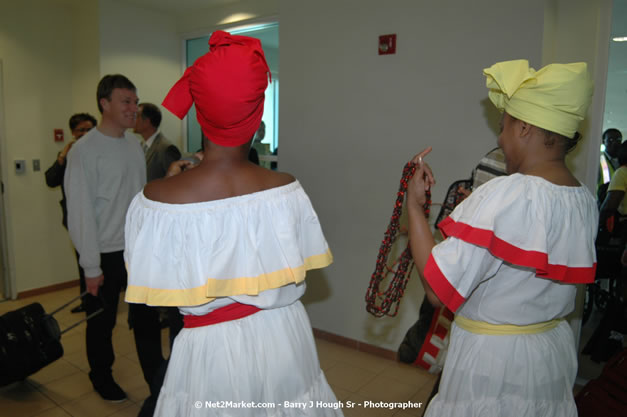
point(63, 155)
point(93, 284)
point(179, 166)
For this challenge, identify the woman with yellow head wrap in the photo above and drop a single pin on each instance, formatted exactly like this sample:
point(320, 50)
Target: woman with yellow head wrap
point(513, 252)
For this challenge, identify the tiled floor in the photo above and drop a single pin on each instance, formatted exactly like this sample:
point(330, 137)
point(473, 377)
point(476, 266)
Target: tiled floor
point(63, 388)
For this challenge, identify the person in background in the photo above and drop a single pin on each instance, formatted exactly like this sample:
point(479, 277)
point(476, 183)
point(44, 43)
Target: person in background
point(160, 152)
point(105, 170)
point(514, 251)
point(608, 164)
point(143, 319)
point(80, 123)
point(229, 243)
point(615, 200)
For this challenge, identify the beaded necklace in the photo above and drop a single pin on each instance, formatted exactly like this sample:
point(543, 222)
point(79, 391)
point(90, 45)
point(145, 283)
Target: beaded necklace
point(380, 303)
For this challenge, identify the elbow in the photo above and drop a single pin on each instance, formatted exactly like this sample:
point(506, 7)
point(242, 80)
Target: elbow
point(431, 295)
point(433, 299)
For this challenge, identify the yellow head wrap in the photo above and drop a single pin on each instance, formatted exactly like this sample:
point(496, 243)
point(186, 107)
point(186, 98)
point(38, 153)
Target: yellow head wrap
point(554, 98)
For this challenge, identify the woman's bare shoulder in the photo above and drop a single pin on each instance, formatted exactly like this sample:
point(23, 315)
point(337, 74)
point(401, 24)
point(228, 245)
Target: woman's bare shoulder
point(153, 190)
point(168, 189)
point(282, 178)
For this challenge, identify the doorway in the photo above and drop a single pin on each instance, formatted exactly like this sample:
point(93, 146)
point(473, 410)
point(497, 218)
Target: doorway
point(7, 287)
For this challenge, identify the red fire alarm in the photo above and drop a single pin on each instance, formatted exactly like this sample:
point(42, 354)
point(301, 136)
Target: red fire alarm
point(58, 135)
point(387, 44)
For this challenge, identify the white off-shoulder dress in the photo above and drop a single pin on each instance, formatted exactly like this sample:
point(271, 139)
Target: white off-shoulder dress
point(514, 250)
point(253, 249)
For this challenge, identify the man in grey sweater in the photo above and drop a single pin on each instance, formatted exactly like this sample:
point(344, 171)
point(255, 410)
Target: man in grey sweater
point(105, 170)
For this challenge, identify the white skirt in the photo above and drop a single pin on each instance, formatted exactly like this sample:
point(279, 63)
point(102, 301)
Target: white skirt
point(520, 376)
point(265, 364)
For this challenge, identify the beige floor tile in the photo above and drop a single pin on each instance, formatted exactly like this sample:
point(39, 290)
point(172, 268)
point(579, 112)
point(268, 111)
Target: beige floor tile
point(341, 394)
point(91, 405)
point(348, 377)
point(130, 411)
point(134, 385)
point(332, 350)
point(327, 362)
point(364, 361)
point(124, 366)
point(165, 342)
point(129, 376)
point(54, 412)
point(67, 318)
point(78, 359)
point(56, 370)
point(123, 341)
point(22, 399)
point(73, 342)
point(422, 396)
point(66, 389)
point(132, 355)
point(387, 390)
point(137, 391)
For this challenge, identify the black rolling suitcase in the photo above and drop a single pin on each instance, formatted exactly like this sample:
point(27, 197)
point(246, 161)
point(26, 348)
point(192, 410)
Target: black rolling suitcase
point(30, 339)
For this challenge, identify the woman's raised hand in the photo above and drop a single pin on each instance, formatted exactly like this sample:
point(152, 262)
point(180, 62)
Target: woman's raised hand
point(421, 182)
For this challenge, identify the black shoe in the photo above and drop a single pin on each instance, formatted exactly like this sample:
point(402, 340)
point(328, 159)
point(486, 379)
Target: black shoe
point(111, 391)
point(78, 309)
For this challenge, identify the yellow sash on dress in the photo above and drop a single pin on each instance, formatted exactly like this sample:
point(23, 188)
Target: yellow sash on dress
point(482, 327)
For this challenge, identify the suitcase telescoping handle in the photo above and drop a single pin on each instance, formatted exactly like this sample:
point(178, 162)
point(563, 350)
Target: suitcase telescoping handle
point(95, 313)
point(68, 303)
point(52, 324)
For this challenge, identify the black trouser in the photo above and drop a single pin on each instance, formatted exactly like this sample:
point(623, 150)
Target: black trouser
point(146, 324)
point(100, 328)
point(157, 373)
point(81, 275)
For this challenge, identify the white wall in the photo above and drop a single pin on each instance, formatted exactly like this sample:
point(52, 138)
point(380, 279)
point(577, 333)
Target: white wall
point(85, 56)
point(201, 21)
point(590, 44)
point(142, 45)
point(40, 80)
point(350, 119)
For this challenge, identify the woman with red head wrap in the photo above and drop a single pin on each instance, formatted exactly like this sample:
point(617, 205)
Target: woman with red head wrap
point(229, 243)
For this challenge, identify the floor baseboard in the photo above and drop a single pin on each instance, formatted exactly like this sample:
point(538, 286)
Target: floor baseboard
point(354, 344)
point(45, 290)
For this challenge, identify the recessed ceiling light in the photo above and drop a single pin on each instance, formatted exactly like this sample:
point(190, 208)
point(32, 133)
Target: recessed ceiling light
point(620, 39)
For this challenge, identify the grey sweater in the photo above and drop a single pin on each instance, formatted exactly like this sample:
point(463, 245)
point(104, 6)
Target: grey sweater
point(103, 175)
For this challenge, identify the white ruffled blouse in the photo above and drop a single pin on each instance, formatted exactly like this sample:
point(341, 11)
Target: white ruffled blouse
point(510, 248)
point(234, 249)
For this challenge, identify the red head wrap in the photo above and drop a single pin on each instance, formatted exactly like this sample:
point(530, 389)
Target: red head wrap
point(227, 84)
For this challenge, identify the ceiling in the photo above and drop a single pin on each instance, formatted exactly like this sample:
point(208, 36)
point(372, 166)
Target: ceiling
point(179, 6)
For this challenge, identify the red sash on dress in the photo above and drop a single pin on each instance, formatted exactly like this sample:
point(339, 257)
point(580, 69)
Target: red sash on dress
point(227, 313)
